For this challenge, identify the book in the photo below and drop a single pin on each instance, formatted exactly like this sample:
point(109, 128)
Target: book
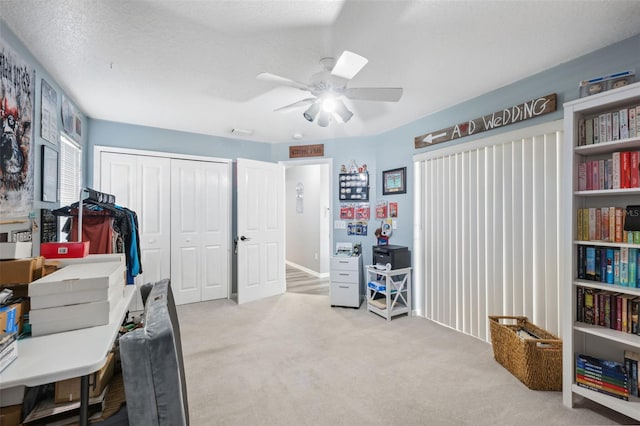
point(616, 266)
point(635, 170)
point(633, 267)
point(632, 358)
point(625, 169)
point(632, 121)
point(591, 263)
point(624, 266)
point(609, 265)
point(588, 131)
point(624, 123)
point(615, 173)
point(615, 125)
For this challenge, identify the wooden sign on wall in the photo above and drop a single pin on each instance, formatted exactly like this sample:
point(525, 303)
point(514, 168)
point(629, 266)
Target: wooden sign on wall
point(299, 151)
point(530, 109)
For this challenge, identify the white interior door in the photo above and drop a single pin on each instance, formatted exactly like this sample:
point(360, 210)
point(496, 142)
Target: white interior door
point(260, 219)
point(199, 230)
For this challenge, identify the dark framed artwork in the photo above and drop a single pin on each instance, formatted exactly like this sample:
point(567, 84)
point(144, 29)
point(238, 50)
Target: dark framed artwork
point(49, 174)
point(394, 181)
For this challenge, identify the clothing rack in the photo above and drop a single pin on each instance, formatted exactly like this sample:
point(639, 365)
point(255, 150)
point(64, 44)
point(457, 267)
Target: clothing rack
point(92, 195)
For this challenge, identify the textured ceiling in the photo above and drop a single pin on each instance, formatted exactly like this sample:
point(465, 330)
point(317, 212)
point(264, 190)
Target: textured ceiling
point(192, 65)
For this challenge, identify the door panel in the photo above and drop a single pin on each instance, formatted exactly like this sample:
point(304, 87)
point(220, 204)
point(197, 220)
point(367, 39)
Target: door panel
point(261, 223)
point(215, 231)
point(141, 183)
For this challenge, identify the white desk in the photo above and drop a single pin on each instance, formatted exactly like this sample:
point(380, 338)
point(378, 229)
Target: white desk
point(60, 356)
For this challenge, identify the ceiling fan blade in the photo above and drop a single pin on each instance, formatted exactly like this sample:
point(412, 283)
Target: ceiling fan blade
point(272, 78)
point(297, 104)
point(348, 65)
point(385, 94)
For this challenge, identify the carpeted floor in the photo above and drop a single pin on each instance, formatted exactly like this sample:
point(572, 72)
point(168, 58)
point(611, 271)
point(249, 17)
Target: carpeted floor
point(294, 360)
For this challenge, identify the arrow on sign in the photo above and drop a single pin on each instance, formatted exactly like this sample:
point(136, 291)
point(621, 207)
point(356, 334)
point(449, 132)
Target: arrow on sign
point(429, 138)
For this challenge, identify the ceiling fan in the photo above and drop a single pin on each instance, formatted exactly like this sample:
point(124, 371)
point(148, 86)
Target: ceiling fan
point(329, 86)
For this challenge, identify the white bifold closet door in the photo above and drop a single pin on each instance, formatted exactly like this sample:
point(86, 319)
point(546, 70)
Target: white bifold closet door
point(141, 183)
point(183, 209)
point(489, 218)
point(199, 230)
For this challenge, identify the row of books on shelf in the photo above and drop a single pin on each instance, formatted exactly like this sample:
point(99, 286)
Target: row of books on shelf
point(618, 172)
point(610, 126)
point(604, 376)
point(609, 224)
point(609, 309)
point(609, 265)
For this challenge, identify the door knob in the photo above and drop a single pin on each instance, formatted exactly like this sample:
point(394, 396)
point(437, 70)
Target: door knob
point(243, 238)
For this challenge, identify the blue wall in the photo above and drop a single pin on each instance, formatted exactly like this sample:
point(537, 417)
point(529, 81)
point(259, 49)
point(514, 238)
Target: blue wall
point(121, 135)
point(16, 45)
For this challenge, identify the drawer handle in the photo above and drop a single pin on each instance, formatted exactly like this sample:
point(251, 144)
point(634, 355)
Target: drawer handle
point(344, 275)
point(342, 261)
point(343, 286)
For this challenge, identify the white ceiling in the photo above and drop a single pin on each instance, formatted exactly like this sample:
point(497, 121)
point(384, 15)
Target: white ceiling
point(192, 65)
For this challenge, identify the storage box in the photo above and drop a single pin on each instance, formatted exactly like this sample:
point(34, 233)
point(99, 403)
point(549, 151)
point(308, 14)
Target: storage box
point(69, 390)
point(22, 271)
point(11, 318)
point(80, 277)
point(11, 415)
point(64, 250)
point(18, 250)
point(536, 362)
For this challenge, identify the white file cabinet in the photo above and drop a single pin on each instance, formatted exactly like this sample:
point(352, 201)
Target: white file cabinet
point(347, 283)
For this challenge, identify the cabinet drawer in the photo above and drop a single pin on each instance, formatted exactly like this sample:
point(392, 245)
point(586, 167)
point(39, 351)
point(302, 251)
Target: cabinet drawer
point(345, 276)
point(345, 263)
point(344, 294)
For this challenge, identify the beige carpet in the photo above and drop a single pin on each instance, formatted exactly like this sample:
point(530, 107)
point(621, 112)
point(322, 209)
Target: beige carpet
point(294, 360)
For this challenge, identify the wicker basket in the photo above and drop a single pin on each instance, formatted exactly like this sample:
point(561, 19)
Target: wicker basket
point(535, 362)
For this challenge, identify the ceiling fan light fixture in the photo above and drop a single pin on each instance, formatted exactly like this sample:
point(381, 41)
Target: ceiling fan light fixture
point(342, 111)
point(311, 112)
point(329, 104)
point(324, 118)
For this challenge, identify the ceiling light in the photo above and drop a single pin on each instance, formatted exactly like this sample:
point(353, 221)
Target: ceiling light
point(311, 112)
point(342, 111)
point(328, 104)
point(324, 118)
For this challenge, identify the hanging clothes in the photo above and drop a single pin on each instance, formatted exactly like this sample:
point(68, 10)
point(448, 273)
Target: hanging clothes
point(109, 228)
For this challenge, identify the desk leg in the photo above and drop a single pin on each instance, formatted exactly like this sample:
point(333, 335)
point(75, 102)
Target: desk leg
point(84, 400)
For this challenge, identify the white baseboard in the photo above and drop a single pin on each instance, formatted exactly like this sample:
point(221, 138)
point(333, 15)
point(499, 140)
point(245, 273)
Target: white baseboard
point(307, 270)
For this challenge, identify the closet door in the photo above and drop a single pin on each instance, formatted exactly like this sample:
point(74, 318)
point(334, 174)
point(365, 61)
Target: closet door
point(142, 184)
point(199, 230)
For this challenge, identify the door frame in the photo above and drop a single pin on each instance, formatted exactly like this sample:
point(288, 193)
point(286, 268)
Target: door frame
point(311, 162)
point(99, 149)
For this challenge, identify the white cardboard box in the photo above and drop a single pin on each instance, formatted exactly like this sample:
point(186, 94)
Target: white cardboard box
point(18, 250)
point(92, 258)
point(79, 277)
point(85, 296)
point(67, 318)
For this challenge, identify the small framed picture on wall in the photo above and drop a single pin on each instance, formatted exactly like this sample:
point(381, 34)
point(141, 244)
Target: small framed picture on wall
point(394, 181)
point(49, 174)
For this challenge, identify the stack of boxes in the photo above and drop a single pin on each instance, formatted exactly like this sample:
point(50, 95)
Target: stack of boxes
point(78, 295)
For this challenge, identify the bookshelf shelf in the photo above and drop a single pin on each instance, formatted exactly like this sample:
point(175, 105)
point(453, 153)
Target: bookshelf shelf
point(579, 337)
point(607, 147)
point(609, 287)
point(628, 408)
point(605, 244)
point(607, 333)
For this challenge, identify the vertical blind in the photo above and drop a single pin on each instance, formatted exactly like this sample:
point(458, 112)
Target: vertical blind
point(490, 214)
point(70, 176)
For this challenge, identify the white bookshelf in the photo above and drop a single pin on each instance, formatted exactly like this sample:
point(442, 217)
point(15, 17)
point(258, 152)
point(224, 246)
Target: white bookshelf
point(579, 337)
